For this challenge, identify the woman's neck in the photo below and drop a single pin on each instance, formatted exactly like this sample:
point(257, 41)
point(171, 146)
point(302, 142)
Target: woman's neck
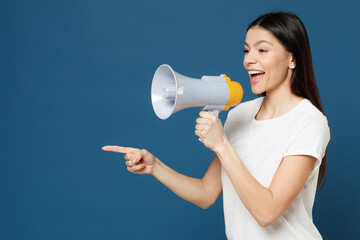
point(275, 105)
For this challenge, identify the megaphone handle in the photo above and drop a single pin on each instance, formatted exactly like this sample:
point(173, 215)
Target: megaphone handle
point(213, 112)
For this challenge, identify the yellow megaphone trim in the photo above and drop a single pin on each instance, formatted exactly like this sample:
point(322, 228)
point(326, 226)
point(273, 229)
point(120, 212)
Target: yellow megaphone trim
point(236, 93)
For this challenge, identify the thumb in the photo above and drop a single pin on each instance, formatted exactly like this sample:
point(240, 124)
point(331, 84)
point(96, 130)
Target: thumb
point(137, 156)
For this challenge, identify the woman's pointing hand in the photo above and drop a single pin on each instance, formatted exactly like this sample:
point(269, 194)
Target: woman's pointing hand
point(138, 161)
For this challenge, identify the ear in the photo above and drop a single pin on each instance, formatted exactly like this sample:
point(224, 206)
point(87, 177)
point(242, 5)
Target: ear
point(292, 63)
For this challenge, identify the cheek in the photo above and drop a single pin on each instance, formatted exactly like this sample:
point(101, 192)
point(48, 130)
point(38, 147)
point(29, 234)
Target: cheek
point(276, 66)
point(272, 61)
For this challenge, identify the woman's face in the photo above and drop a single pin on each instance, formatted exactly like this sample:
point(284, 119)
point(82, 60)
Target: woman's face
point(269, 65)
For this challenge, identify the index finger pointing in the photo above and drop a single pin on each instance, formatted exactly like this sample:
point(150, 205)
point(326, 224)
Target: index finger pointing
point(117, 149)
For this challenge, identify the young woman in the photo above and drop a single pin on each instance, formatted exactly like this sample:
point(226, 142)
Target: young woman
point(270, 155)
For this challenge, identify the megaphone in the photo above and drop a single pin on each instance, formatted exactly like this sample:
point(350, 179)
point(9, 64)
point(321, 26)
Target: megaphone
point(172, 92)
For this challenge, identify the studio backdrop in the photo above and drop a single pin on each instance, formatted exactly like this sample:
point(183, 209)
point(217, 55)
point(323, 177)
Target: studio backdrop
point(76, 75)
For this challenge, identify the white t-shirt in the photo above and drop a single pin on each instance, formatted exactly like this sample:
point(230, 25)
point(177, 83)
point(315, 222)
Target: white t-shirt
point(261, 145)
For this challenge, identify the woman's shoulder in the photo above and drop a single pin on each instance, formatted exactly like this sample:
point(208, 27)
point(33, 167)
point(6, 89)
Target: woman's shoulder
point(310, 114)
point(247, 106)
point(244, 112)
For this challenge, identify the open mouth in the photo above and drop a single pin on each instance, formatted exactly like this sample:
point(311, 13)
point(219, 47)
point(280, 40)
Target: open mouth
point(255, 76)
point(255, 73)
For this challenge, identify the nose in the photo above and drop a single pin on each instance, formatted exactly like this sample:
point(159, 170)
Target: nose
point(249, 58)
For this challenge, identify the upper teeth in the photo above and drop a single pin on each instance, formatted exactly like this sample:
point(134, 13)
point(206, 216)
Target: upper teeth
point(255, 72)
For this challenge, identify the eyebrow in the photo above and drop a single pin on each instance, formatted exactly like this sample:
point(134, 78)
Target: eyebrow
point(258, 43)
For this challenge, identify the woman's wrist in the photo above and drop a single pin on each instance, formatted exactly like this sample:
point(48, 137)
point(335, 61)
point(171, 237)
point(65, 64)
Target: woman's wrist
point(156, 167)
point(220, 148)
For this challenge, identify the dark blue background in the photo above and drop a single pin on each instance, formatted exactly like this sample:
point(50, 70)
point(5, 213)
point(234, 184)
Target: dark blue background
point(76, 75)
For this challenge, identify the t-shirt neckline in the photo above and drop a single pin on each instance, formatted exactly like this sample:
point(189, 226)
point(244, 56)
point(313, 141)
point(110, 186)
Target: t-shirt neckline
point(272, 120)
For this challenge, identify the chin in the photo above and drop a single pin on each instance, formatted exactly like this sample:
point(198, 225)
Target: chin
point(257, 91)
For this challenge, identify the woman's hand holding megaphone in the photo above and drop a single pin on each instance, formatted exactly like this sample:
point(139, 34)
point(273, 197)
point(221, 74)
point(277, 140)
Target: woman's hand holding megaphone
point(210, 130)
point(137, 160)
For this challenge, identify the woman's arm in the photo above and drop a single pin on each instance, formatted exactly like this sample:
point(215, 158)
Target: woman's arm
point(201, 192)
point(265, 204)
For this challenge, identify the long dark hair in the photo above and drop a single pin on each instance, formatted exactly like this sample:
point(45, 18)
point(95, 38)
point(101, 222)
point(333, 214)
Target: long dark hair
point(291, 33)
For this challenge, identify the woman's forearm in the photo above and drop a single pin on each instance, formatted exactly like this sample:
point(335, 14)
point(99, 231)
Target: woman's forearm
point(255, 197)
point(190, 189)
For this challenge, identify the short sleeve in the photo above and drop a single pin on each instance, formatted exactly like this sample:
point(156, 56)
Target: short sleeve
point(312, 140)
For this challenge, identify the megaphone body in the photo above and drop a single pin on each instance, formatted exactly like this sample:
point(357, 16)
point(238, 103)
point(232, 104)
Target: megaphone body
point(172, 92)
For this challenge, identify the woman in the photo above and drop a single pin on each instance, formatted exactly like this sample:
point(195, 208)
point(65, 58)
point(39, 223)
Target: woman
point(270, 155)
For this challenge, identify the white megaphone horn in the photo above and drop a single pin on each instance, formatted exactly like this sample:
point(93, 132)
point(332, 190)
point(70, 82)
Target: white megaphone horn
point(171, 92)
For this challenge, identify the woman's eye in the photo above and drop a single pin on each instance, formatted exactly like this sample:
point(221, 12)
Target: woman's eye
point(262, 50)
point(246, 51)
